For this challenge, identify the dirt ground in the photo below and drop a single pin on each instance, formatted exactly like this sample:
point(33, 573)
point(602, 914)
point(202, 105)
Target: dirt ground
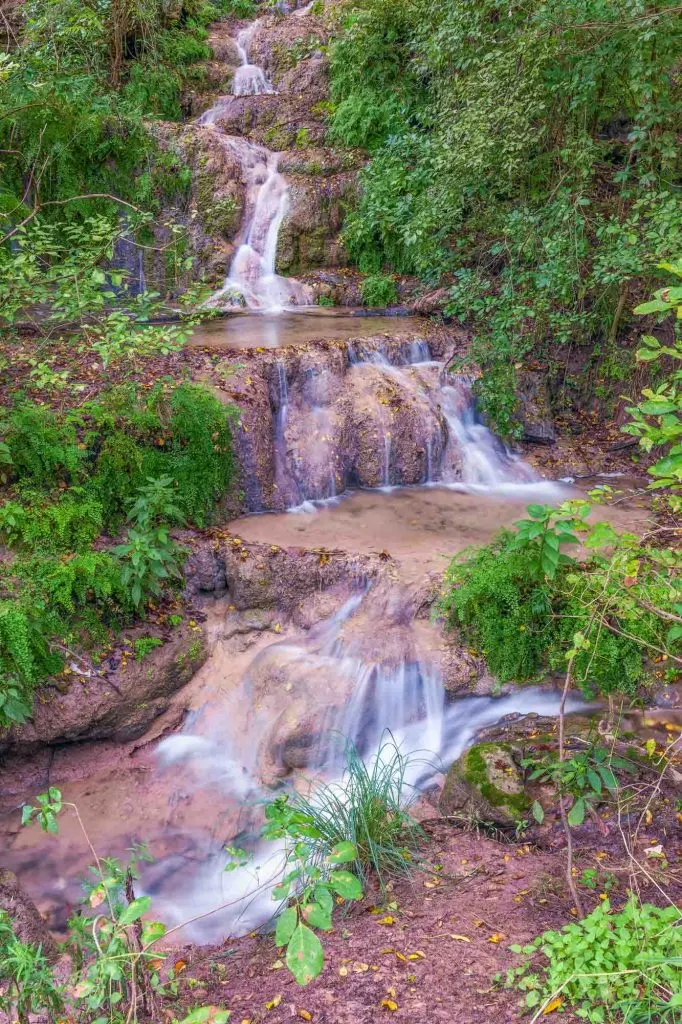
point(432, 950)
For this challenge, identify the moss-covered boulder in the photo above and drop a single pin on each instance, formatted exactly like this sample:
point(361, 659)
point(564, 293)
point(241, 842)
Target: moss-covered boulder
point(486, 783)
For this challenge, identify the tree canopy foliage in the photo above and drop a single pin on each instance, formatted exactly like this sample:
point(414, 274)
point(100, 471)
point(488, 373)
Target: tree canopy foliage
point(527, 151)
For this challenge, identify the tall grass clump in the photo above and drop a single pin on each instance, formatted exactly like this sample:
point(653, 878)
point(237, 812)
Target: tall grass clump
point(368, 807)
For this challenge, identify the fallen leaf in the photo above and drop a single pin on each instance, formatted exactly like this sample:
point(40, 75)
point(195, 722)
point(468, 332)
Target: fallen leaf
point(305, 1015)
point(496, 937)
point(389, 1004)
point(386, 920)
point(179, 965)
point(274, 1003)
point(277, 966)
point(460, 938)
point(359, 968)
point(343, 971)
point(552, 1006)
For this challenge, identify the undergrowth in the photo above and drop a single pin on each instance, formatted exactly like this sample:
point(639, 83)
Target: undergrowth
point(134, 460)
point(523, 155)
point(368, 807)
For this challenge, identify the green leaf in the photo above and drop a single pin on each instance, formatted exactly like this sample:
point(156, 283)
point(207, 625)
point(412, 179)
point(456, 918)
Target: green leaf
point(324, 897)
point(343, 853)
point(134, 910)
point(286, 922)
point(304, 955)
point(601, 535)
point(346, 885)
point(318, 917)
point(26, 814)
point(576, 815)
point(610, 780)
point(594, 780)
point(151, 931)
point(538, 812)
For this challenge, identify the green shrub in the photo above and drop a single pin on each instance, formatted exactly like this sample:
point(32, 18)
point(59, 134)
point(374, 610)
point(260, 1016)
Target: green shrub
point(524, 604)
point(625, 963)
point(70, 524)
point(42, 446)
point(502, 607)
point(379, 290)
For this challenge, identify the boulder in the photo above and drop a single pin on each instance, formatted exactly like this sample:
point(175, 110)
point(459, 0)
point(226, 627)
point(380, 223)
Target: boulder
point(486, 783)
point(533, 408)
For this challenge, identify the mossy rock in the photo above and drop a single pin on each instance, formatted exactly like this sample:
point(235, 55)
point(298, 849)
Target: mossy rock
point(486, 783)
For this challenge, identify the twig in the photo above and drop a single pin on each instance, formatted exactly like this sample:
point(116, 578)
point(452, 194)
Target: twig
point(564, 819)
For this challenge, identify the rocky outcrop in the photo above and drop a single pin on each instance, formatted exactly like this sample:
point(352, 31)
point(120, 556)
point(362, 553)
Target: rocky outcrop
point(533, 408)
point(26, 922)
point(339, 415)
point(267, 576)
point(486, 784)
point(119, 702)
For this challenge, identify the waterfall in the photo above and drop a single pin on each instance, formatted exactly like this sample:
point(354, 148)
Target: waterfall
point(379, 706)
point(249, 79)
point(252, 279)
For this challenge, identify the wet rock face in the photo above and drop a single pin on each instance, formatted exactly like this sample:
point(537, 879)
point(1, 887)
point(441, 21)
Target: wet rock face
point(486, 784)
point(26, 922)
point(340, 415)
point(534, 409)
point(119, 704)
point(267, 576)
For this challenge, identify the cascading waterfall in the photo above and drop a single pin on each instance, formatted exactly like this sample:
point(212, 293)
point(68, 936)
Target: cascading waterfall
point(380, 707)
point(459, 451)
point(252, 279)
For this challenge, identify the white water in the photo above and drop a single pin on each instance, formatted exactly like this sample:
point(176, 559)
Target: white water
point(252, 279)
point(404, 705)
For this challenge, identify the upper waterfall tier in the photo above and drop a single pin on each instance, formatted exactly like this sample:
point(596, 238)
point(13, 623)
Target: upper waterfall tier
point(252, 279)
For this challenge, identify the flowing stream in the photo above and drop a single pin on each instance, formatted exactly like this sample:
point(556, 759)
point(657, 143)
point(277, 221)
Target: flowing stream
point(372, 419)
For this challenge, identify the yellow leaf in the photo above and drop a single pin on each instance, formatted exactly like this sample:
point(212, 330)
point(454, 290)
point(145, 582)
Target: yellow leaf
point(417, 955)
point(96, 896)
point(277, 966)
point(305, 1015)
point(460, 938)
point(389, 950)
point(274, 1003)
point(359, 968)
point(387, 920)
point(278, 627)
point(389, 1004)
point(496, 937)
point(554, 1005)
point(648, 816)
point(179, 965)
point(246, 1020)
point(343, 971)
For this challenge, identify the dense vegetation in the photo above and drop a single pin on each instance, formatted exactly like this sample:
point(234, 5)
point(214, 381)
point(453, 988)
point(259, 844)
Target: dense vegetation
point(135, 460)
point(76, 94)
point(528, 154)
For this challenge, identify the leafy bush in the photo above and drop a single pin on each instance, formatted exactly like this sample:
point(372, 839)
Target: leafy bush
point(71, 524)
point(42, 448)
point(625, 963)
point(657, 421)
point(379, 290)
point(518, 151)
point(524, 603)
